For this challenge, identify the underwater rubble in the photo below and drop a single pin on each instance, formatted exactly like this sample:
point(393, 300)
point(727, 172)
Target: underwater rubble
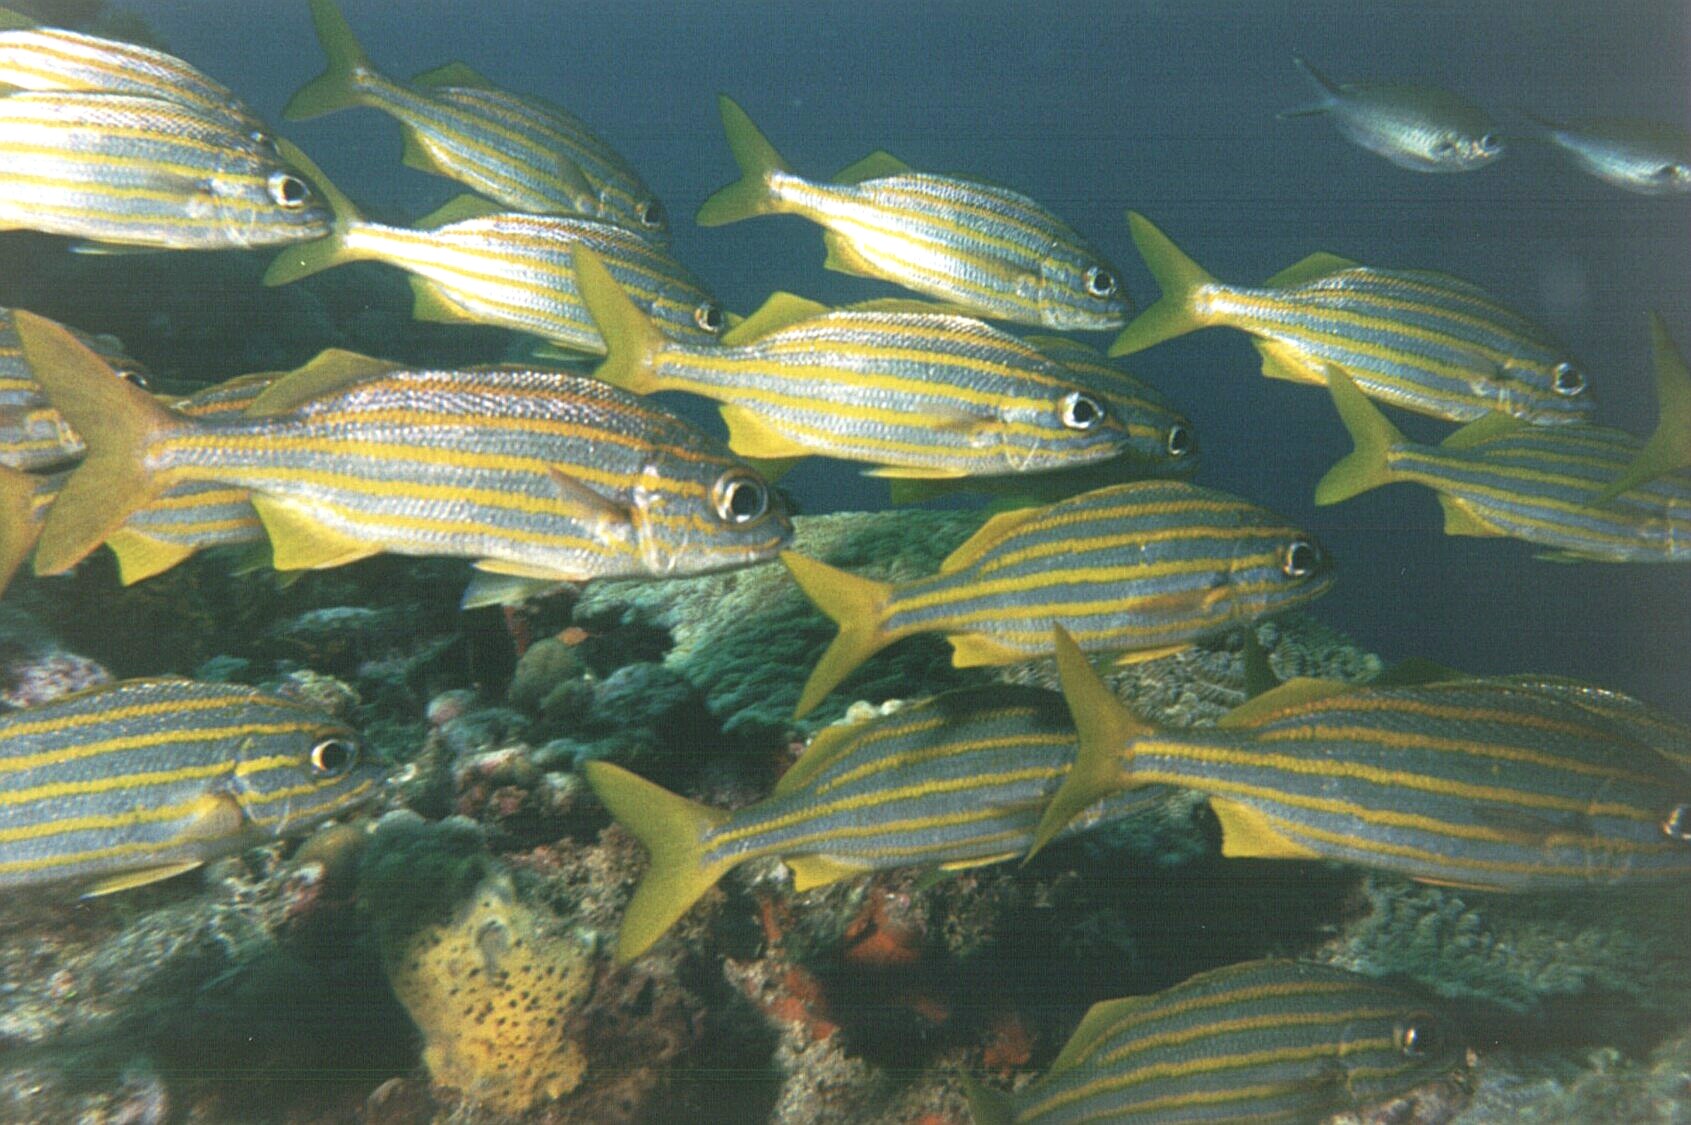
point(470, 928)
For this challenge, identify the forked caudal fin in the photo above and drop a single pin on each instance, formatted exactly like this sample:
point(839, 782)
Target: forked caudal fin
point(20, 519)
point(336, 87)
point(303, 259)
point(1669, 447)
point(672, 828)
point(1365, 467)
point(1329, 91)
point(857, 605)
point(1105, 727)
point(757, 158)
point(632, 341)
point(119, 421)
point(1174, 313)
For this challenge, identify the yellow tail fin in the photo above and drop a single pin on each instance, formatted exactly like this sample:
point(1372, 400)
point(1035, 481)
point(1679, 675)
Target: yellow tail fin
point(1669, 447)
point(1174, 313)
point(21, 508)
point(757, 158)
point(632, 341)
point(857, 605)
point(306, 258)
point(1366, 466)
point(1105, 727)
point(119, 421)
point(673, 829)
point(336, 87)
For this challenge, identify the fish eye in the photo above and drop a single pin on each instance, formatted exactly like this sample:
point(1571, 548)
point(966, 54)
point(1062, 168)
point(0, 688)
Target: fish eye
point(262, 139)
point(1418, 1036)
point(1567, 380)
point(1080, 411)
point(1100, 282)
point(1179, 440)
point(1673, 172)
point(1676, 824)
point(1300, 559)
point(333, 757)
point(740, 498)
point(652, 215)
point(289, 191)
point(1491, 142)
point(129, 375)
point(709, 317)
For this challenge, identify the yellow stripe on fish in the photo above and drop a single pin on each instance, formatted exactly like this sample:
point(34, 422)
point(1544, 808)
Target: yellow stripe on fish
point(350, 457)
point(1144, 569)
point(1423, 341)
point(987, 249)
point(139, 780)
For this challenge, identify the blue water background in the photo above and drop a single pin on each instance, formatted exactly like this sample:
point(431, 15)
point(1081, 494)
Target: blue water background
point(1093, 107)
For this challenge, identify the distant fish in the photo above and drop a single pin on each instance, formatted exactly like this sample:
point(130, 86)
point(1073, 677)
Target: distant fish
point(520, 151)
point(1422, 128)
point(134, 782)
point(1496, 477)
point(126, 171)
point(472, 263)
point(537, 476)
point(1444, 783)
point(1142, 569)
point(953, 782)
point(51, 58)
point(1424, 341)
point(919, 391)
point(989, 250)
point(1646, 157)
point(1259, 1041)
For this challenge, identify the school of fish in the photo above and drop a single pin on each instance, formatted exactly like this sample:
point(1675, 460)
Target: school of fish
point(540, 474)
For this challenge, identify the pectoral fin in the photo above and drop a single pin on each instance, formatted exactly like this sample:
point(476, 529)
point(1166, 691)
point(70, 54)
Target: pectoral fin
point(750, 435)
point(300, 541)
point(842, 257)
point(972, 650)
point(132, 879)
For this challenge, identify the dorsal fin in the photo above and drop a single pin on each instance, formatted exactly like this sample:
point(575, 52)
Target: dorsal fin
point(986, 537)
point(1299, 689)
point(457, 209)
point(779, 311)
point(876, 165)
point(1414, 672)
point(16, 21)
point(1318, 264)
point(331, 370)
point(452, 74)
point(1481, 430)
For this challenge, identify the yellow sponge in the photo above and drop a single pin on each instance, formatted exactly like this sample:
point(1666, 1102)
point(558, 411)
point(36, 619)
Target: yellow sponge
point(491, 991)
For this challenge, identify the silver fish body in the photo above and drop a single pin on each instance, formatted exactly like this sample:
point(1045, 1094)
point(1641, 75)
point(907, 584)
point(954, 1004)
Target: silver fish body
point(139, 171)
point(1645, 157)
point(1422, 128)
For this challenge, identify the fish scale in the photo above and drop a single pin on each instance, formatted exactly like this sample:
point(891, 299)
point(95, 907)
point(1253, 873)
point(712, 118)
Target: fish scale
point(1141, 569)
point(955, 781)
point(1265, 1040)
point(140, 171)
point(1452, 783)
point(160, 775)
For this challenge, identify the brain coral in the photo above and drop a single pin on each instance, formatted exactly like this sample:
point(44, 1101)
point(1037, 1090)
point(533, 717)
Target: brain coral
point(491, 989)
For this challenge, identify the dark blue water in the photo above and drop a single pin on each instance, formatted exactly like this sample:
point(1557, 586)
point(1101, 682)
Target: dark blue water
point(1167, 108)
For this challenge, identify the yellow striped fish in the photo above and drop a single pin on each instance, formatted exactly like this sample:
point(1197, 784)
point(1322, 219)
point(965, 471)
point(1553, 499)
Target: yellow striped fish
point(987, 249)
point(538, 476)
point(1144, 569)
point(125, 170)
point(476, 264)
point(919, 392)
point(1424, 341)
point(1260, 1041)
point(134, 782)
point(956, 781)
point(520, 151)
point(1496, 477)
point(1448, 783)
point(52, 58)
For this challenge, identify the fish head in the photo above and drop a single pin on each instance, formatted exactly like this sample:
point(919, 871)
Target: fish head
point(306, 768)
point(1080, 290)
point(1395, 1044)
point(1273, 566)
point(1543, 391)
point(261, 200)
point(1154, 437)
point(1671, 178)
point(694, 514)
point(649, 216)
